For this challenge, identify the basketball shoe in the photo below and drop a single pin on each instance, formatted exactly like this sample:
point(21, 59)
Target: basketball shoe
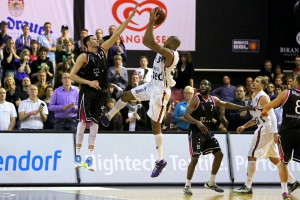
point(159, 166)
point(187, 190)
point(88, 164)
point(104, 120)
point(243, 190)
point(286, 196)
point(294, 186)
point(213, 186)
point(78, 162)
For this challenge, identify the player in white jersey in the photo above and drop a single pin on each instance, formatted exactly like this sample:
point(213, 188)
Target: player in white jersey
point(157, 90)
point(263, 145)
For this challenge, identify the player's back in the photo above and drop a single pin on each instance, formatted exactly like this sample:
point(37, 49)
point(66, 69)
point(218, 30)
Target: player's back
point(257, 108)
point(291, 110)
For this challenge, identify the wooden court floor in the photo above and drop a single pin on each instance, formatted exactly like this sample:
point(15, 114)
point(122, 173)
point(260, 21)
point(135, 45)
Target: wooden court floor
point(136, 193)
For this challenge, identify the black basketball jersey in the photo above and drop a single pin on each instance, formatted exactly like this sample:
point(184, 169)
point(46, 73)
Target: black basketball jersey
point(203, 112)
point(95, 68)
point(291, 110)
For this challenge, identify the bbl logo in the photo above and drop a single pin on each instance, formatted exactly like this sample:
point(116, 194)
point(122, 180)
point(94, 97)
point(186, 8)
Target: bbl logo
point(245, 45)
point(16, 7)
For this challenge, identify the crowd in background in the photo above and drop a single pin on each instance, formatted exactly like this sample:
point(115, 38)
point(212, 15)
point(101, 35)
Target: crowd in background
point(37, 70)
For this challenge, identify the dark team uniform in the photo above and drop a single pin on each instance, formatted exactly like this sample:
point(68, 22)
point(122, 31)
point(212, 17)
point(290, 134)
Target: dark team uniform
point(92, 101)
point(290, 128)
point(199, 142)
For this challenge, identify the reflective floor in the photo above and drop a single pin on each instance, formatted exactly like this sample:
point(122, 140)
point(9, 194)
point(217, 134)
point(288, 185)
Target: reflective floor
point(136, 193)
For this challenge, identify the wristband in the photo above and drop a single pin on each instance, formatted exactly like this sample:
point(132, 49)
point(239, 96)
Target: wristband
point(31, 113)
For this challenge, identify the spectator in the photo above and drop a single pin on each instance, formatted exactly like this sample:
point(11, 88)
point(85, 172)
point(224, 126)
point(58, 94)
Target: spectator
point(249, 81)
point(135, 119)
point(113, 91)
point(42, 63)
point(23, 68)
point(111, 31)
point(117, 49)
point(64, 104)
point(49, 42)
point(9, 58)
point(34, 50)
point(279, 73)
point(184, 71)
point(67, 54)
point(99, 35)
point(278, 81)
point(118, 74)
point(49, 123)
point(11, 89)
point(268, 71)
point(117, 121)
point(3, 36)
point(64, 38)
point(145, 73)
point(32, 111)
point(79, 46)
point(135, 80)
point(23, 42)
point(41, 84)
point(290, 82)
point(1, 69)
point(271, 91)
point(8, 112)
point(66, 68)
point(22, 95)
point(296, 70)
point(225, 92)
point(267, 82)
point(238, 118)
point(278, 89)
point(178, 114)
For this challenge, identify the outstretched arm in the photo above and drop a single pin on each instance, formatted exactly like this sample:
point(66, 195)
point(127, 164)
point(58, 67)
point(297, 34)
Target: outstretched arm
point(108, 43)
point(228, 105)
point(275, 103)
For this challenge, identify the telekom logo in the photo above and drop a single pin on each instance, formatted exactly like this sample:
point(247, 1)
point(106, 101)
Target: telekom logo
point(119, 12)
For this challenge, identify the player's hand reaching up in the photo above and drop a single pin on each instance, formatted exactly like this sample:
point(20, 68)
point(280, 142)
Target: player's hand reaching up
point(240, 129)
point(202, 127)
point(153, 16)
point(94, 84)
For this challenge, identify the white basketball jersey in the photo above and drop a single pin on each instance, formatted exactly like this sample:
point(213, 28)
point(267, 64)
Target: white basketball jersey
point(161, 73)
point(256, 117)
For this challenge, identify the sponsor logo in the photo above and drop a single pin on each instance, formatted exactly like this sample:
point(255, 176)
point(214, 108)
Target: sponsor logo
point(245, 45)
point(14, 24)
point(16, 7)
point(29, 162)
point(121, 10)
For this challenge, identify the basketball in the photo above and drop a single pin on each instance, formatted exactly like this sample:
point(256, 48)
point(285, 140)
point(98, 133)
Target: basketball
point(162, 15)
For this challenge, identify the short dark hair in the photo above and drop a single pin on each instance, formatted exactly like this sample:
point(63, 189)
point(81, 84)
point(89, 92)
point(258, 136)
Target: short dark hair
point(43, 49)
point(46, 23)
point(241, 87)
point(86, 39)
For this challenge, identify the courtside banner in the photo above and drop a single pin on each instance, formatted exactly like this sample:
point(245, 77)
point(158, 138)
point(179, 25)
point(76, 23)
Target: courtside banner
point(121, 158)
point(35, 13)
point(180, 20)
point(37, 158)
point(266, 172)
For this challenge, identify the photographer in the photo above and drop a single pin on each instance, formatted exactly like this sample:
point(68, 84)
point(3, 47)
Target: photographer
point(32, 111)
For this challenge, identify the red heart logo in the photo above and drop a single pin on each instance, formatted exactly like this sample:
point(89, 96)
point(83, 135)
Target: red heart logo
point(128, 10)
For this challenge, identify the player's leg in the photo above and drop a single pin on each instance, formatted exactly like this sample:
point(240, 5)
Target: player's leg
point(88, 164)
point(190, 172)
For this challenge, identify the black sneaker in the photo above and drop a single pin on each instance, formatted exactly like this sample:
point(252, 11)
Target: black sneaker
point(294, 186)
point(213, 186)
point(243, 190)
point(187, 190)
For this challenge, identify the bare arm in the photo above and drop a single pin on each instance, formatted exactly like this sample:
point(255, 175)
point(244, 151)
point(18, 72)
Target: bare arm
point(108, 43)
point(275, 103)
point(228, 105)
point(149, 40)
point(12, 123)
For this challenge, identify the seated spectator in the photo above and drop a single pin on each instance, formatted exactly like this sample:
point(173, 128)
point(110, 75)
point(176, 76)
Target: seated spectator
point(111, 31)
point(79, 45)
point(184, 71)
point(225, 92)
point(9, 58)
point(178, 114)
point(271, 91)
point(41, 84)
point(11, 89)
point(117, 49)
point(118, 74)
point(32, 111)
point(238, 118)
point(23, 42)
point(23, 68)
point(296, 70)
point(1, 70)
point(63, 39)
point(135, 81)
point(34, 50)
point(8, 112)
point(42, 63)
point(249, 81)
point(145, 73)
point(278, 81)
point(49, 123)
point(135, 120)
point(99, 35)
point(278, 89)
point(3, 35)
point(290, 82)
point(64, 103)
point(65, 68)
point(267, 70)
point(113, 91)
point(67, 54)
point(116, 123)
point(279, 73)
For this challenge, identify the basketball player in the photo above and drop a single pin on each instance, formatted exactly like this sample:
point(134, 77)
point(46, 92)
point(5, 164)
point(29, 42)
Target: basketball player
point(263, 145)
point(199, 114)
point(289, 133)
point(90, 71)
point(157, 90)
